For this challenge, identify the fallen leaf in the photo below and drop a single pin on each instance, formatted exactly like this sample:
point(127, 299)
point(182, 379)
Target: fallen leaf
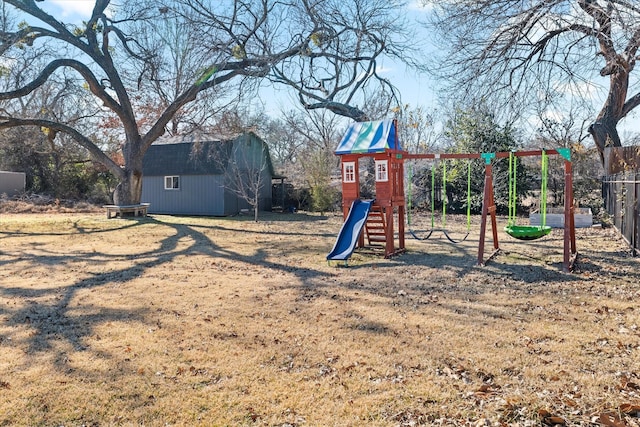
point(629, 409)
point(486, 388)
point(554, 421)
point(611, 419)
point(550, 420)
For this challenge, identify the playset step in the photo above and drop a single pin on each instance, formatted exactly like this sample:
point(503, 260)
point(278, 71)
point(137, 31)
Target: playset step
point(375, 227)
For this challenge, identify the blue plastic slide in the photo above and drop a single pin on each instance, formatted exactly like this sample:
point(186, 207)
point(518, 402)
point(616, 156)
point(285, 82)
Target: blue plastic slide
point(350, 231)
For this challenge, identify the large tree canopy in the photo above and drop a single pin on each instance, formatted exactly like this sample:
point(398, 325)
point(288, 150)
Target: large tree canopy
point(545, 51)
point(140, 72)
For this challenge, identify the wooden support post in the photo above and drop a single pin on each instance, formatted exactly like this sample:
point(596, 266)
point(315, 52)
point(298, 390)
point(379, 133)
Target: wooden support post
point(488, 207)
point(399, 196)
point(636, 214)
point(390, 243)
point(401, 216)
point(570, 251)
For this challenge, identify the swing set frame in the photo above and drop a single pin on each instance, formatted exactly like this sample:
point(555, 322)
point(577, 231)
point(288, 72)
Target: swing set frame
point(570, 252)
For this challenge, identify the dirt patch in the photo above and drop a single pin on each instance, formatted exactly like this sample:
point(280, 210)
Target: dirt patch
point(204, 321)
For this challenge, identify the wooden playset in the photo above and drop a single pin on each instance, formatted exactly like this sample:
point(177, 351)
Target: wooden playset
point(381, 221)
point(379, 141)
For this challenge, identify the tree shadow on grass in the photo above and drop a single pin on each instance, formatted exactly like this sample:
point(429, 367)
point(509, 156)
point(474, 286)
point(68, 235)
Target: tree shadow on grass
point(229, 226)
point(541, 263)
point(416, 277)
point(438, 267)
point(46, 312)
point(447, 275)
point(78, 228)
point(263, 217)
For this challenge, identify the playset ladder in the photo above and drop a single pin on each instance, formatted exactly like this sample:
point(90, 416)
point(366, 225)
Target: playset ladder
point(376, 227)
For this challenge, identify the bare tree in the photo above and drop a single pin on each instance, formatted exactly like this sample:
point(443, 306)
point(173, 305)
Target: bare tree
point(314, 135)
point(322, 49)
point(248, 173)
point(542, 51)
point(50, 159)
point(284, 142)
point(416, 129)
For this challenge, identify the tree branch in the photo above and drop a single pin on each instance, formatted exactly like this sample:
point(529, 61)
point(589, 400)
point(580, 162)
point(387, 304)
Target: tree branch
point(94, 85)
point(189, 95)
point(631, 103)
point(338, 108)
point(8, 39)
point(593, 9)
point(94, 150)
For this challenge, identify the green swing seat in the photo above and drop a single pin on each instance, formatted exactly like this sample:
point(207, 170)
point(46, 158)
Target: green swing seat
point(527, 232)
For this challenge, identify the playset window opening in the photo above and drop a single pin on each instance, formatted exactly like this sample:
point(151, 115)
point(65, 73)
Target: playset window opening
point(349, 171)
point(382, 170)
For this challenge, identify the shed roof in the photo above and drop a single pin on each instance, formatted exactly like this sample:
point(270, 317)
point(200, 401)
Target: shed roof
point(369, 137)
point(187, 158)
point(194, 155)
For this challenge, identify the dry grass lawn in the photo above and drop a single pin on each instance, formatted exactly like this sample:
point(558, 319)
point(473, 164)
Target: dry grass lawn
point(227, 322)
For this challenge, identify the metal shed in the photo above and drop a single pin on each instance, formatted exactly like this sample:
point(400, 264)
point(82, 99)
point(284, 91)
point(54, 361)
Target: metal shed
point(197, 175)
point(12, 183)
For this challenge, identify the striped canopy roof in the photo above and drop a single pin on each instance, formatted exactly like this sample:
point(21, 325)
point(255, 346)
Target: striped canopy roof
point(369, 137)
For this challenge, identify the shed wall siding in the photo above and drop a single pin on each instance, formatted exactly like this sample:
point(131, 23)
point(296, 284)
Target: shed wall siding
point(12, 183)
point(198, 195)
point(266, 192)
point(231, 203)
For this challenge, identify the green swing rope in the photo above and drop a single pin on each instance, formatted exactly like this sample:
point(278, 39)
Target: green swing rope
point(512, 189)
point(527, 232)
point(410, 204)
point(409, 194)
point(443, 194)
point(543, 190)
point(444, 202)
point(468, 195)
point(433, 194)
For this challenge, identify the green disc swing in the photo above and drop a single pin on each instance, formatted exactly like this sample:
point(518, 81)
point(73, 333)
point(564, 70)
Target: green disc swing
point(527, 232)
point(444, 204)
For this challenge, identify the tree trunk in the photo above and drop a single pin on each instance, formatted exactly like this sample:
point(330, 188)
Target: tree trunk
point(255, 205)
point(604, 130)
point(129, 190)
point(605, 134)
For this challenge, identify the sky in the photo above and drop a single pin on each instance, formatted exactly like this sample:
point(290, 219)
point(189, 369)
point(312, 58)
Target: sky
point(415, 89)
point(69, 10)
